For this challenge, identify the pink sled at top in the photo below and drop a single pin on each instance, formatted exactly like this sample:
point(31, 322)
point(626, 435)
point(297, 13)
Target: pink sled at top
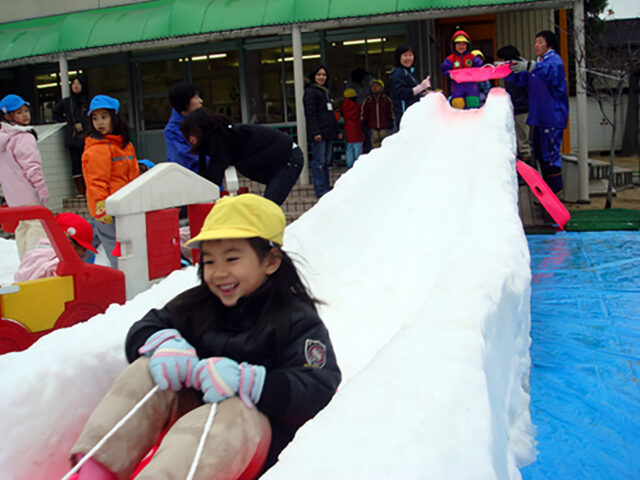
point(480, 74)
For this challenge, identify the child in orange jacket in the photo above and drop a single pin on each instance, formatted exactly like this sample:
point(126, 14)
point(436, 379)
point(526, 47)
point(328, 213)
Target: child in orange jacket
point(108, 163)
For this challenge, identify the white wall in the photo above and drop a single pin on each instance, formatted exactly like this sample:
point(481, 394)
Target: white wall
point(56, 164)
point(598, 130)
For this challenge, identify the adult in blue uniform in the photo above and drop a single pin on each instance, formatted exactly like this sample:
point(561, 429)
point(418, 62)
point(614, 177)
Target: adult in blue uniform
point(184, 98)
point(548, 104)
point(404, 89)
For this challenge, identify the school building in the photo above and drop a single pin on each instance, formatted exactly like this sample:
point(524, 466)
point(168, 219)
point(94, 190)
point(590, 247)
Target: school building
point(250, 58)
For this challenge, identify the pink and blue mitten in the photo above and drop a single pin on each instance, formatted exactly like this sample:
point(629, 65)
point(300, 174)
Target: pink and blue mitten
point(221, 377)
point(172, 359)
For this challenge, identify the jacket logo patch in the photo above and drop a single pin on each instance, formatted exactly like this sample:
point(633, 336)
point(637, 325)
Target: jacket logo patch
point(315, 352)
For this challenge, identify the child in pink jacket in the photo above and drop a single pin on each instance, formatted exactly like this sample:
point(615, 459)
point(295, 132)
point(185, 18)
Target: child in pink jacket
point(42, 261)
point(21, 175)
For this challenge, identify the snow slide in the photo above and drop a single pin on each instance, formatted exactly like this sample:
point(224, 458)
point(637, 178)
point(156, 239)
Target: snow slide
point(421, 259)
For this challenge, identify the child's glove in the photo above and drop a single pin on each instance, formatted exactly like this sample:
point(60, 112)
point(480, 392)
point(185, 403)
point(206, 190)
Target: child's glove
point(172, 359)
point(521, 65)
point(101, 213)
point(221, 377)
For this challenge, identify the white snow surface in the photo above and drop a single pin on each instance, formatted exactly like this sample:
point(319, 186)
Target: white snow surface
point(422, 261)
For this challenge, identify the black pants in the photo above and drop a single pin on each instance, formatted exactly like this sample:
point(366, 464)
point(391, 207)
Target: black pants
point(281, 182)
point(76, 160)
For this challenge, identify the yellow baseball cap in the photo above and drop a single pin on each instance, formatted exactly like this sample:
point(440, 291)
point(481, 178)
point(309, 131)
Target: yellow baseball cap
point(349, 92)
point(245, 216)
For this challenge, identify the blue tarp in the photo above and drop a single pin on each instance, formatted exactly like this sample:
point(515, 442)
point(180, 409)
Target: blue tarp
point(585, 380)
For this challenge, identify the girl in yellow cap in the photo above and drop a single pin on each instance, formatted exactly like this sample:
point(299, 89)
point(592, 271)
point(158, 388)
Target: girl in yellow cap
point(248, 338)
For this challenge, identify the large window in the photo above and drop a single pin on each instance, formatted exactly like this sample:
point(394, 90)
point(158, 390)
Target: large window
point(270, 88)
point(216, 75)
point(155, 80)
point(360, 59)
point(111, 80)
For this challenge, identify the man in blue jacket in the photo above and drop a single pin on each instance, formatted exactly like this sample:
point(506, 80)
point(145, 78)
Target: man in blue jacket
point(548, 104)
point(184, 98)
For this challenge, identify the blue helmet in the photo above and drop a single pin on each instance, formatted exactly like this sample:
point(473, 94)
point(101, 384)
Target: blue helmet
point(103, 101)
point(11, 103)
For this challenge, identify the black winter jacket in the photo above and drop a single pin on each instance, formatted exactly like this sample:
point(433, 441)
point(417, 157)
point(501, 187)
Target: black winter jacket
point(297, 385)
point(320, 120)
point(401, 83)
point(73, 109)
point(519, 97)
point(256, 151)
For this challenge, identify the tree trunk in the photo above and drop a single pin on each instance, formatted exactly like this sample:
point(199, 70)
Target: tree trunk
point(630, 143)
point(612, 150)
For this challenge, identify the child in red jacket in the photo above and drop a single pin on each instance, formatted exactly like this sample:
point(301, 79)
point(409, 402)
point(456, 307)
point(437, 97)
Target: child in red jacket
point(352, 126)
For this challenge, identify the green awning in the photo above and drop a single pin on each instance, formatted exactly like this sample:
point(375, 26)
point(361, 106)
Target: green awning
point(162, 19)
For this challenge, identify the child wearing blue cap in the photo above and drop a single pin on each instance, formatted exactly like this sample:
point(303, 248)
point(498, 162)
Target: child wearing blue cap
point(108, 163)
point(21, 175)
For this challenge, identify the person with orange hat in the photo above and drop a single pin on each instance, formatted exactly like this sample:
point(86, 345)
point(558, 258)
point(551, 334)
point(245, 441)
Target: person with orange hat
point(42, 261)
point(463, 95)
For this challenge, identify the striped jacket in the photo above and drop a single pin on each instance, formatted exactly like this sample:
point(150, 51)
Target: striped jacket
point(107, 167)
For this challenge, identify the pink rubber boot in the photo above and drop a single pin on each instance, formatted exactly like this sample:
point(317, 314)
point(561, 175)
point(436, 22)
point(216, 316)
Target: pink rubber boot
point(93, 470)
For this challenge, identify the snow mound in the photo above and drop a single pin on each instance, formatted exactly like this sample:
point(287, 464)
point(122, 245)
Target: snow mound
point(421, 259)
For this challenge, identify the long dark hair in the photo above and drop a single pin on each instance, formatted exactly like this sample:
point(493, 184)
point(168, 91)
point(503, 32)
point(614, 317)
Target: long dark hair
point(312, 75)
point(119, 124)
point(282, 290)
point(83, 83)
point(204, 124)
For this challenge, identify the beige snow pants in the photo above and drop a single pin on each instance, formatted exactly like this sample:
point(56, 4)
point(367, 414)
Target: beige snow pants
point(522, 135)
point(28, 233)
point(236, 435)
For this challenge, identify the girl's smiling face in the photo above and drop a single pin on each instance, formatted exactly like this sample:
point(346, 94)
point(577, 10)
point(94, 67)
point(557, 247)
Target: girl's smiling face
point(461, 47)
point(232, 268)
point(101, 119)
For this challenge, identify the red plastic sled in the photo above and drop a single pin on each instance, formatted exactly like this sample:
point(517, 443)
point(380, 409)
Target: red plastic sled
point(543, 193)
point(480, 74)
point(250, 473)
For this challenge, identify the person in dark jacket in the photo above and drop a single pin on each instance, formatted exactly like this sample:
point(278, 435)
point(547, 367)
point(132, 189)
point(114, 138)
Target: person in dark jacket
point(260, 153)
point(73, 110)
point(546, 83)
point(404, 89)
point(184, 98)
point(248, 338)
point(322, 128)
point(520, 100)
point(377, 113)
